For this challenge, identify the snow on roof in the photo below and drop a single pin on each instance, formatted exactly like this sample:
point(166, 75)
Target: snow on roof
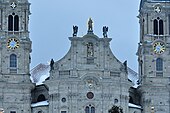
point(40, 73)
point(43, 103)
point(133, 76)
point(134, 106)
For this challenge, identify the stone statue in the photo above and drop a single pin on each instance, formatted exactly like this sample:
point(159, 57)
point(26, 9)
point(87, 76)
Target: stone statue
point(105, 30)
point(90, 25)
point(125, 66)
point(90, 50)
point(52, 64)
point(75, 30)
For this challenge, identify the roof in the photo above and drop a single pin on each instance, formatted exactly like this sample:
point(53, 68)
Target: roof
point(157, 1)
point(133, 77)
point(134, 106)
point(41, 72)
point(43, 103)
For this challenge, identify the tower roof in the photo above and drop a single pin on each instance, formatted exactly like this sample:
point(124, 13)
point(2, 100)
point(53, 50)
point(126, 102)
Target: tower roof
point(143, 1)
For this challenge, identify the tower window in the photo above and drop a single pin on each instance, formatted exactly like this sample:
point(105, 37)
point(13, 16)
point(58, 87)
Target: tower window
point(158, 26)
point(155, 27)
point(16, 23)
point(90, 109)
point(159, 64)
point(13, 60)
point(10, 23)
point(13, 22)
point(159, 67)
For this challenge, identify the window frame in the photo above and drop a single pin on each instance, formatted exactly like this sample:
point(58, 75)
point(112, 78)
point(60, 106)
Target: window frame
point(159, 67)
point(90, 109)
point(13, 61)
point(158, 26)
point(13, 23)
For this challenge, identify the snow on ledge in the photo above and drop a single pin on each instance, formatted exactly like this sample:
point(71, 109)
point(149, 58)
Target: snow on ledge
point(43, 103)
point(134, 106)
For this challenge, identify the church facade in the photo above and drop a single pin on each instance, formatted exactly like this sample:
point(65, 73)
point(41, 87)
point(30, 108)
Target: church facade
point(89, 78)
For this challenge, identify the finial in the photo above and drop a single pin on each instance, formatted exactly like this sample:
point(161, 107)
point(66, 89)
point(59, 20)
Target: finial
point(90, 26)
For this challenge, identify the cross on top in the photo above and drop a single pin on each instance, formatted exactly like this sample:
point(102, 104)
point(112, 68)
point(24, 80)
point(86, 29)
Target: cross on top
point(13, 5)
point(157, 9)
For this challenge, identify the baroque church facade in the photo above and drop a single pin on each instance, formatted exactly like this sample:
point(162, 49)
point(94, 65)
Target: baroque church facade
point(89, 78)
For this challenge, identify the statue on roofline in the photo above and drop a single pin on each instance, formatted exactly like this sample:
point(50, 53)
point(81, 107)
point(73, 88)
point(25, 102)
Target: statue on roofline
point(75, 30)
point(90, 26)
point(52, 64)
point(105, 30)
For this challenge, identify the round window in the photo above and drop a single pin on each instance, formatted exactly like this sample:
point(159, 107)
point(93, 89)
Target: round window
point(90, 95)
point(63, 99)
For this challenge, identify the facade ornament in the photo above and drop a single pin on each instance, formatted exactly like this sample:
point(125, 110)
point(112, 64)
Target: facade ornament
point(13, 5)
point(90, 49)
point(90, 25)
point(105, 30)
point(157, 9)
point(75, 30)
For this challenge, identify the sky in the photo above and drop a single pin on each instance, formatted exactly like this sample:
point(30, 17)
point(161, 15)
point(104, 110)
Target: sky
point(51, 23)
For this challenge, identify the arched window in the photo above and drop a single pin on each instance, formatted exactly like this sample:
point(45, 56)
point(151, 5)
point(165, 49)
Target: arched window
point(16, 23)
point(90, 109)
point(161, 29)
point(87, 109)
point(41, 98)
point(13, 60)
point(13, 22)
point(158, 26)
point(159, 67)
point(10, 23)
point(155, 27)
point(159, 64)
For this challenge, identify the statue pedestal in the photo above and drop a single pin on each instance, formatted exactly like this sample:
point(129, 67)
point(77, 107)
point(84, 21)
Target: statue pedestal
point(90, 32)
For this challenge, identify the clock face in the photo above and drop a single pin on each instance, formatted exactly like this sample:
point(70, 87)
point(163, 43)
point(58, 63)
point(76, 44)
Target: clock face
point(13, 43)
point(159, 47)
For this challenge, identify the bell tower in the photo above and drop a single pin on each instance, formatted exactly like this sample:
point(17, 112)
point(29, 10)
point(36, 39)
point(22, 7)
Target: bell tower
point(15, 49)
point(154, 55)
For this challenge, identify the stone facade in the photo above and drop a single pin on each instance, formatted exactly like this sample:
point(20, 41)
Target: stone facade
point(89, 78)
point(98, 80)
